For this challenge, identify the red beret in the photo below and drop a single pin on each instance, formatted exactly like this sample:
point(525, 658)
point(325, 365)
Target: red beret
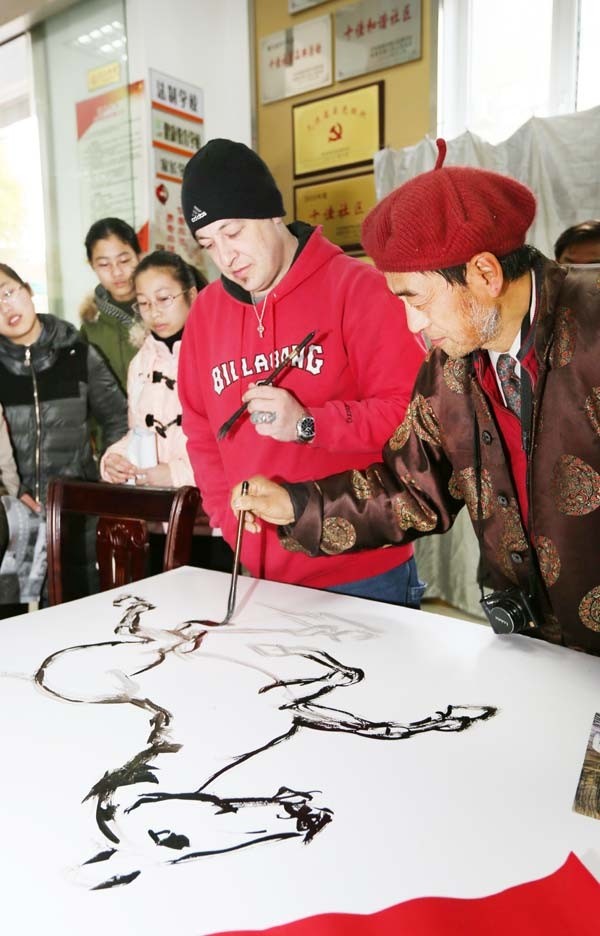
point(444, 217)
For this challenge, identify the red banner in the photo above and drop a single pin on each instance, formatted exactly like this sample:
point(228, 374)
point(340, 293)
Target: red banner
point(566, 902)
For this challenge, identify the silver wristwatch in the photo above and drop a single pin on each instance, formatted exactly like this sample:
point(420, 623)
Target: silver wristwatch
point(305, 428)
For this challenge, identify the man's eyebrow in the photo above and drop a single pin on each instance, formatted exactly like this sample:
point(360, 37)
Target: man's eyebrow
point(405, 293)
point(225, 224)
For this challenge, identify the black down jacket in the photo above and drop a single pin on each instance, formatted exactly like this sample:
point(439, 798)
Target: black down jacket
point(48, 390)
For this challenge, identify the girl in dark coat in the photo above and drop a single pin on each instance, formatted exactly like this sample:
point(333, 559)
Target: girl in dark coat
point(51, 382)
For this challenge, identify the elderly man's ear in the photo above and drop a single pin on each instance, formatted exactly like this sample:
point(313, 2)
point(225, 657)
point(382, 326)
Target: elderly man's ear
point(485, 278)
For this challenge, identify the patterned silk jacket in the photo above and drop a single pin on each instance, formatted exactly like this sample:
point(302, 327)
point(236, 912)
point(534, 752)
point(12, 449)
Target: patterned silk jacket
point(428, 471)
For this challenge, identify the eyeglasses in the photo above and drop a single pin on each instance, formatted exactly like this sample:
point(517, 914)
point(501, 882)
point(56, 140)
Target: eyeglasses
point(161, 303)
point(7, 295)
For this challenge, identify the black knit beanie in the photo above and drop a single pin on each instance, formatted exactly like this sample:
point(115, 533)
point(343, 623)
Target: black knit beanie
point(225, 179)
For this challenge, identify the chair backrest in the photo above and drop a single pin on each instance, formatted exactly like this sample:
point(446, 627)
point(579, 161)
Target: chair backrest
point(124, 512)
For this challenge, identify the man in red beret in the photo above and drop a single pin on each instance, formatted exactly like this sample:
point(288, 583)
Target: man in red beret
point(505, 414)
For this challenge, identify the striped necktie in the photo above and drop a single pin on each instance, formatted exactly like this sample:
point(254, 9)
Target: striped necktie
point(510, 383)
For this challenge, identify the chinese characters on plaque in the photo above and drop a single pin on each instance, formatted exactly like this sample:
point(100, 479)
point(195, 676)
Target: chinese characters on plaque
point(177, 124)
point(296, 60)
point(369, 36)
point(339, 131)
point(376, 34)
point(340, 205)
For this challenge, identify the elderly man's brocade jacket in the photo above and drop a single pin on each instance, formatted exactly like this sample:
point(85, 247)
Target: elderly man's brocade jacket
point(428, 473)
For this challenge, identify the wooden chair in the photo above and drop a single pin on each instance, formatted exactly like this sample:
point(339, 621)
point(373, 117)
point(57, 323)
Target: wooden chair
point(123, 512)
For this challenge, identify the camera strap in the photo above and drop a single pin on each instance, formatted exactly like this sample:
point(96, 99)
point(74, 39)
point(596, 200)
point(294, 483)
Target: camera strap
point(526, 395)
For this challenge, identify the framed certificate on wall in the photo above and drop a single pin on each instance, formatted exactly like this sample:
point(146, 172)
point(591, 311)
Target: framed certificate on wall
point(340, 131)
point(340, 205)
point(375, 34)
point(295, 60)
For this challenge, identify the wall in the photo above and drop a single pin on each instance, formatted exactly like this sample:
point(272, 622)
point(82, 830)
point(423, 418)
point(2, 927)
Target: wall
point(409, 91)
point(203, 43)
point(60, 80)
point(206, 44)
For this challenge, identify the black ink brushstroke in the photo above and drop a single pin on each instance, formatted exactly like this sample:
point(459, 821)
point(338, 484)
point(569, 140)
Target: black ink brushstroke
point(169, 839)
point(130, 623)
point(40, 674)
point(295, 804)
point(117, 880)
point(101, 856)
point(275, 837)
point(136, 770)
point(291, 805)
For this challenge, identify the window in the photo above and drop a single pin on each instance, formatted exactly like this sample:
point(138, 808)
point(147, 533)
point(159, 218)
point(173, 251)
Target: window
point(22, 242)
point(501, 63)
point(588, 90)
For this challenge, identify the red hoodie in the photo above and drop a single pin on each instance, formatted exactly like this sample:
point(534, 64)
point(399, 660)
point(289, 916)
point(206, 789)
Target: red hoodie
point(355, 377)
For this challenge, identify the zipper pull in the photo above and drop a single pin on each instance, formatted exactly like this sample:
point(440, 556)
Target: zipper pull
point(28, 357)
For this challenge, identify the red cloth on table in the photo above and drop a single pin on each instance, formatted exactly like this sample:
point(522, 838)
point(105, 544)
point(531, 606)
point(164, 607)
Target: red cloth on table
point(566, 902)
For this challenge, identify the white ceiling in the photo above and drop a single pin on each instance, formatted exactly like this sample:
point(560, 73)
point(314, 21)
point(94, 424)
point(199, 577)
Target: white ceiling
point(16, 16)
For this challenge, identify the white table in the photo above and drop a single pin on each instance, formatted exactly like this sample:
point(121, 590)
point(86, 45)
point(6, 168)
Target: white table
point(452, 813)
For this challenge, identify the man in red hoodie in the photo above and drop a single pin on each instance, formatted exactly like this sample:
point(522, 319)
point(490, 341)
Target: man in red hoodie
point(337, 403)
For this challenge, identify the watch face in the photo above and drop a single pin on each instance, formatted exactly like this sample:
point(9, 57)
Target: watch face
point(305, 428)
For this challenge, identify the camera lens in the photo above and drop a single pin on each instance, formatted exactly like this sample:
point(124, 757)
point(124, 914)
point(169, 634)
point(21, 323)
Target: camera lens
point(510, 612)
point(507, 617)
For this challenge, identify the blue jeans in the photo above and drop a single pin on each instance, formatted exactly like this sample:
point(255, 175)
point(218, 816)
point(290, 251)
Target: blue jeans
point(399, 586)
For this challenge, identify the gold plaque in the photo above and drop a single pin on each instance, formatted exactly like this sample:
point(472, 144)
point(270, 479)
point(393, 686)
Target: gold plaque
point(340, 205)
point(338, 131)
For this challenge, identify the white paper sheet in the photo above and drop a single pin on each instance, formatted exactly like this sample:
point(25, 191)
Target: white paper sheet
point(459, 813)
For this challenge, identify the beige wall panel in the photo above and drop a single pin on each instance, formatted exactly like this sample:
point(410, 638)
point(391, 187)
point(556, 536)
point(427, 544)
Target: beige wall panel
point(407, 92)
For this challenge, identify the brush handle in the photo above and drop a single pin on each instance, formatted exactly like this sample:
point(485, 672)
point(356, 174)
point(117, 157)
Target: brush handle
point(236, 561)
point(265, 383)
point(232, 419)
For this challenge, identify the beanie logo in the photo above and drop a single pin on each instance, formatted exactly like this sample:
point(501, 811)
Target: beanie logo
point(197, 214)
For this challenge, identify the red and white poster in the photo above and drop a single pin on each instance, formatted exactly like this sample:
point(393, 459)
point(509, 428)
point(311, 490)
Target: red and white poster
point(177, 131)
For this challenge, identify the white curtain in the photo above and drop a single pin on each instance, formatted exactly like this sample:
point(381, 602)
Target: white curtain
point(557, 157)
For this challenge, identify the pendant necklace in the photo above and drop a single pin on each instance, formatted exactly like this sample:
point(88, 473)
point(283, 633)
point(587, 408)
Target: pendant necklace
point(259, 315)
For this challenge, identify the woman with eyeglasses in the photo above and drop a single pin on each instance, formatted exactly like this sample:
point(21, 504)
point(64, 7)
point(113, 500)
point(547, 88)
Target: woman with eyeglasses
point(154, 451)
point(165, 287)
point(51, 383)
point(113, 252)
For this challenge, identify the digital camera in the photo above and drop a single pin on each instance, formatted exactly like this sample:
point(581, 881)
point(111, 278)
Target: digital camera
point(510, 611)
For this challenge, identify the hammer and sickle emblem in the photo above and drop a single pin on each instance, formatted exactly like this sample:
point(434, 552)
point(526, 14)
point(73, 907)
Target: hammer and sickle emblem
point(335, 133)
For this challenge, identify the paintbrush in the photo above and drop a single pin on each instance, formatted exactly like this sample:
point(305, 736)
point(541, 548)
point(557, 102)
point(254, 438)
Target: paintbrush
point(236, 562)
point(266, 382)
